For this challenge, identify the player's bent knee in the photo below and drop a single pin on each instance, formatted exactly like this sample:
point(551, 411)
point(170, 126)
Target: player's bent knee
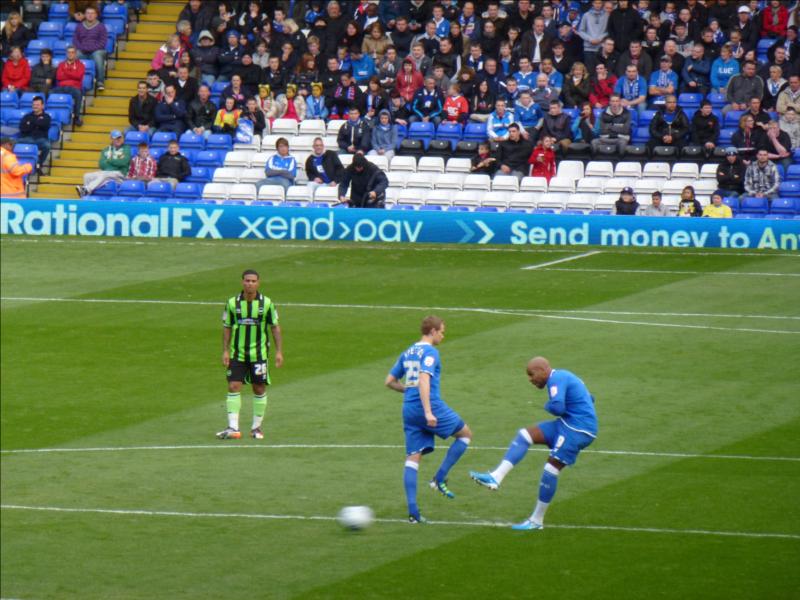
point(465, 433)
point(536, 435)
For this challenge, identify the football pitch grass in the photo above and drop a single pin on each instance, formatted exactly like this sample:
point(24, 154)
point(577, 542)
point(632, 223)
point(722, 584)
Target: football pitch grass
point(113, 485)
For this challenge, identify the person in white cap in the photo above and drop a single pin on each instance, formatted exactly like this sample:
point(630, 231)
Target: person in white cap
point(745, 26)
point(115, 159)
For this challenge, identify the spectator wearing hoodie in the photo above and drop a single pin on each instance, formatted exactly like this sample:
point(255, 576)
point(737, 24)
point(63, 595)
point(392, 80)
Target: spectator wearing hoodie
point(362, 64)
point(206, 57)
point(384, 136)
point(355, 135)
point(615, 125)
point(592, 29)
point(90, 40)
point(730, 173)
point(722, 69)
point(367, 184)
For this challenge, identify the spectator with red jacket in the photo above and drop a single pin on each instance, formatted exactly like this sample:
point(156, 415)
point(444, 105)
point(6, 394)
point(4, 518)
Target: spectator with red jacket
point(409, 80)
point(456, 107)
point(16, 72)
point(69, 80)
point(90, 40)
point(601, 86)
point(543, 158)
point(774, 20)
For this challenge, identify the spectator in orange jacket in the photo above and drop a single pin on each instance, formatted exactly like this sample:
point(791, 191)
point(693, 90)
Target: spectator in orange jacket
point(12, 184)
point(543, 158)
point(409, 80)
point(456, 107)
point(69, 80)
point(16, 72)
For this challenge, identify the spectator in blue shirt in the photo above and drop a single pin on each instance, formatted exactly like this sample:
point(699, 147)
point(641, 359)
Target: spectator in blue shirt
point(695, 72)
point(723, 68)
point(632, 89)
point(663, 82)
point(281, 168)
point(362, 64)
point(526, 77)
point(499, 121)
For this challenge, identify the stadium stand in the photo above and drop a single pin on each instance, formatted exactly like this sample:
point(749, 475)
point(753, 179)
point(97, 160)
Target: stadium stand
point(430, 168)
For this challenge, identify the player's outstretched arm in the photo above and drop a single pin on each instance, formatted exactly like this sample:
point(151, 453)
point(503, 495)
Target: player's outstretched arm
point(278, 337)
point(393, 384)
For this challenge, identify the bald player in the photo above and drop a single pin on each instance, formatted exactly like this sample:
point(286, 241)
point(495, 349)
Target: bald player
point(574, 428)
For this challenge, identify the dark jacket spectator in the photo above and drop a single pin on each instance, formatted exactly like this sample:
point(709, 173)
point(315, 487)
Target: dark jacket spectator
point(559, 126)
point(704, 129)
point(142, 112)
point(514, 155)
point(331, 167)
point(198, 13)
point(364, 179)
point(730, 175)
point(673, 123)
point(256, 117)
point(206, 57)
point(40, 74)
point(171, 116)
point(354, 135)
point(174, 167)
point(612, 126)
point(186, 92)
point(252, 76)
point(229, 58)
point(276, 80)
point(37, 126)
point(201, 114)
point(624, 25)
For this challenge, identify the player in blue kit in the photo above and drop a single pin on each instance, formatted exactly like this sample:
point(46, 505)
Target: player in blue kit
point(425, 414)
point(573, 430)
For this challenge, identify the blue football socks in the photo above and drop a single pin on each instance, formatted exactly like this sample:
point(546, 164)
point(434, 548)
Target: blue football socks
point(410, 484)
point(515, 453)
point(455, 452)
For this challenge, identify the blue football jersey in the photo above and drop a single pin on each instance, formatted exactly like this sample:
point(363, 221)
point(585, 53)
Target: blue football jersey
point(419, 358)
point(570, 400)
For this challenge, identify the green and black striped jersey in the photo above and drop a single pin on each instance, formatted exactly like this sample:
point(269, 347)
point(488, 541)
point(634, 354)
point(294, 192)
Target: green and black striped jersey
point(249, 322)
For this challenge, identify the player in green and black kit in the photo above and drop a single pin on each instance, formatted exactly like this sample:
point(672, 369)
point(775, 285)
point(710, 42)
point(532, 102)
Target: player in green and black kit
point(245, 352)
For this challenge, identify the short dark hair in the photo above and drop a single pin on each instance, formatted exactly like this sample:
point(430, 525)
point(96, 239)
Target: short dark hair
point(39, 98)
point(513, 126)
point(247, 272)
point(46, 51)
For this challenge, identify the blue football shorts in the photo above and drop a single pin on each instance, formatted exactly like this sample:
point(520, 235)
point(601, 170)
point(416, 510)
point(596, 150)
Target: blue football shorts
point(565, 444)
point(420, 437)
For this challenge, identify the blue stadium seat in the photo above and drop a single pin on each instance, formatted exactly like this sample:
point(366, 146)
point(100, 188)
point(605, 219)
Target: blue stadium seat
point(725, 136)
point(423, 132)
point(60, 50)
point(219, 141)
point(159, 189)
point(9, 100)
point(475, 132)
point(764, 45)
point(60, 101)
point(26, 150)
point(14, 116)
point(543, 211)
point(35, 47)
point(457, 209)
point(431, 207)
point(188, 190)
point(717, 100)
point(493, 209)
point(572, 112)
point(789, 189)
point(199, 175)
point(793, 173)
point(26, 100)
point(157, 152)
point(191, 154)
point(218, 86)
point(134, 138)
point(732, 118)
point(784, 206)
point(208, 158)
point(451, 132)
point(645, 117)
point(54, 133)
point(50, 30)
point(689, 100)
point(69, 30)
point(796, 155)
point(63, 116)
point(161, 139)
point(107, 189)
point(131, 187)
point(262, 203)
point(641, 135)
point(598, 211)
point(242, 203)
point(58, 12)
point(750, 205)
point(732, 202)
point(191, 140)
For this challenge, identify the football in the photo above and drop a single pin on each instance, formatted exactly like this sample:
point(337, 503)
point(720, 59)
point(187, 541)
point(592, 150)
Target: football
point(355, 517)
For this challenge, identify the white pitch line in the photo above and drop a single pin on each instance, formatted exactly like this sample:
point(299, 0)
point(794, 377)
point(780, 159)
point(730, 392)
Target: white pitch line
point(665, 272)
point(387, 247)
point(279, 517)
point(560, 260)
point(224, 446)
point(510, 311)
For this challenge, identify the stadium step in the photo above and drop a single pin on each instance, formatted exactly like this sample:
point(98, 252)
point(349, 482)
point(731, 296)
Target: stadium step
point(166, 10)
point(100, 139)
point(147, 36)
point(53, 190)
point(75, 179)
point(82, 165)
point(83, 155)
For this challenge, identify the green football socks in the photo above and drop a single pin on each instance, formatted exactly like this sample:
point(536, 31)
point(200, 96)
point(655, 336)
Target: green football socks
point(259, 408)
point(234, 403)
